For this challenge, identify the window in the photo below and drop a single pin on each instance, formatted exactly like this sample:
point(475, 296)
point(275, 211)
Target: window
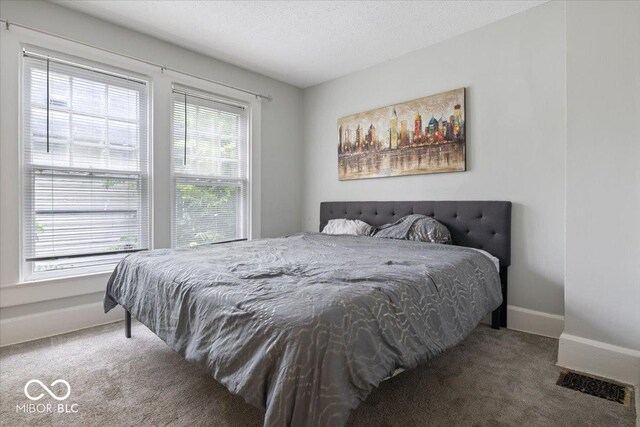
point(210, 169)
point(85, 151)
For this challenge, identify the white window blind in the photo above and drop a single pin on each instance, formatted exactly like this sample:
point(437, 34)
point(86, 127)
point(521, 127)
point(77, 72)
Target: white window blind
point(210, 169)
point(85, 151)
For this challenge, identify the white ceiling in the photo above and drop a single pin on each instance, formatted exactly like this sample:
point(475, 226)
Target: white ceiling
point(302, 42)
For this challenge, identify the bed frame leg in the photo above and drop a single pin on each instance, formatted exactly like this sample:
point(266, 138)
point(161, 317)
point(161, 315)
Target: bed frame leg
point(127, 324)
point(495, 318)
point(503, 307)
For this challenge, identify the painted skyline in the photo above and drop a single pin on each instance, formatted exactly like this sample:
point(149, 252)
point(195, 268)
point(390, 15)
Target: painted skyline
point(425, 135)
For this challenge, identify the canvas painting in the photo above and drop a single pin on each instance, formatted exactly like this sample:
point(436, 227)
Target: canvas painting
point(426, 135)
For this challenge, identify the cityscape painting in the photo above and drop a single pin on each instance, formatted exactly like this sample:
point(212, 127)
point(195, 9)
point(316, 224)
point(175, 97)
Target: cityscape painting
point(426, 135)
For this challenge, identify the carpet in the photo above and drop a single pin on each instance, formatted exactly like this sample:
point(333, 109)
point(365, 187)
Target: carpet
point(493, 378)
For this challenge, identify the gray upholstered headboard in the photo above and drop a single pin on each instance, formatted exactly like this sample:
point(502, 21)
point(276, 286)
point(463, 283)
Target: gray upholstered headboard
point(475, 224)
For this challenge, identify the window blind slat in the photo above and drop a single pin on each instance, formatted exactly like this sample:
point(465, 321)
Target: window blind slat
point(86, 184)
point(211, 186)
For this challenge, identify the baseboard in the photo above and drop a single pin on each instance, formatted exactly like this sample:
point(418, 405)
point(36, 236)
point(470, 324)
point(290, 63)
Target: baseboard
point(42, 325)
point(532, 321)
point(30, 327)
point(636, 397)
point(19, 329)
point(598, 358)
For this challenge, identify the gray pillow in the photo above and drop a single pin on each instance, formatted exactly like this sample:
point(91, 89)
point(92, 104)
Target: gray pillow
point(429, 230)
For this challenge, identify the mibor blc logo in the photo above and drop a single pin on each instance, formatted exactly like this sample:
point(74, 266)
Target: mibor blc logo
point(31, 391)
point(47, 389)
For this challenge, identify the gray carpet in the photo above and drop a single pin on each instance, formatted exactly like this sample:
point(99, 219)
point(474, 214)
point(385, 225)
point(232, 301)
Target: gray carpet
point(493, 378)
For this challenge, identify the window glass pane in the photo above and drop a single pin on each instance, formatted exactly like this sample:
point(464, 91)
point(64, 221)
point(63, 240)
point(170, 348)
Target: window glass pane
point(123, 159)
point(88, 97)
point(86, 195)
point(123, 134)
point(207, 213)
point(212, 136)
point(89, 129)
point(229, 168)
point(229, 147)
point(123, 103)
point(59, 134)
point(91, 156)
point(86, 213)
point(210, 182)
point(58, 125)
point(59, 89)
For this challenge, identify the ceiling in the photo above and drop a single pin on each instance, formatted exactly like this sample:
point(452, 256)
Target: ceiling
point(301, 42)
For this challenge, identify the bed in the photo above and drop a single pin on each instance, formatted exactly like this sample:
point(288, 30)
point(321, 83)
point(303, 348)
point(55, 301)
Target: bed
point(306, 326)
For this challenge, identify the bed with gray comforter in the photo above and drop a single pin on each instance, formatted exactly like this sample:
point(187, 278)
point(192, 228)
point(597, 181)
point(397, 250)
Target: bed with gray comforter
point(306, 326)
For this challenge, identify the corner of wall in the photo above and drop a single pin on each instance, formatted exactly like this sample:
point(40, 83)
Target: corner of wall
point(600, 359)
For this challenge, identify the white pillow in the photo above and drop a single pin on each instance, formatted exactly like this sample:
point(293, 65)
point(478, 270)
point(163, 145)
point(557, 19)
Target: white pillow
point(347, 226)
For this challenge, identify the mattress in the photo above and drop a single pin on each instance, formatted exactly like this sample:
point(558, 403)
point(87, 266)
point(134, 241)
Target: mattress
point(306, 326)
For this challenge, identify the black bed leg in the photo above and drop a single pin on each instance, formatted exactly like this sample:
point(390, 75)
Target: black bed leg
point(127, 324)
point(503, 307)
point(495, 318)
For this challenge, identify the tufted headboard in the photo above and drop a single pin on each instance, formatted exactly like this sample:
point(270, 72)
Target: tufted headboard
point(476, 224)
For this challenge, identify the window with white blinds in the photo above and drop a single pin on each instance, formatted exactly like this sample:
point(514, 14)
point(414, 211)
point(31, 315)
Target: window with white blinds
point(210, 169)
point(85, 162)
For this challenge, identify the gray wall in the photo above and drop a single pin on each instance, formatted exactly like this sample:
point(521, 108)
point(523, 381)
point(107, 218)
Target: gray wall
point(281, 133)
point(530, 98)
point(514, 72)
point(602, 285)
point(281, 118)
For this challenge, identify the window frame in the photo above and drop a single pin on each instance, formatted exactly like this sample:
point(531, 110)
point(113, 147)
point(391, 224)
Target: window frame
point(26, 268)
point(173, 176)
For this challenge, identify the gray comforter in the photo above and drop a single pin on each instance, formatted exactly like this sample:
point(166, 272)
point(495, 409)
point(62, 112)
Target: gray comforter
point(306, 326)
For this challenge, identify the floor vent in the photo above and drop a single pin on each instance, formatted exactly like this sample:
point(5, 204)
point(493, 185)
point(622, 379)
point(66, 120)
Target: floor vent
point(595, 387)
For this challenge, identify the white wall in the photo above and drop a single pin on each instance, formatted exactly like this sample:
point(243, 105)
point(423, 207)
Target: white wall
point(279, 151)
point(602, 282)
point(514, 74)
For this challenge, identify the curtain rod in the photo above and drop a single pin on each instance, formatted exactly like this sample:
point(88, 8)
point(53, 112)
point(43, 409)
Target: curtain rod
point(48, 59)
point(163, 68)
point(205, 98)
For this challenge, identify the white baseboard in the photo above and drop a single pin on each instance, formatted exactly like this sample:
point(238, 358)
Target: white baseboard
point(42, 325)
point(598, 358)
point(532, 321)
point(636, 393)
point(30, 327)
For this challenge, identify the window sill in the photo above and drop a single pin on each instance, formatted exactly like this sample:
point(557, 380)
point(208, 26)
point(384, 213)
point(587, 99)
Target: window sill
point(22, 293)
point(49, 280)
